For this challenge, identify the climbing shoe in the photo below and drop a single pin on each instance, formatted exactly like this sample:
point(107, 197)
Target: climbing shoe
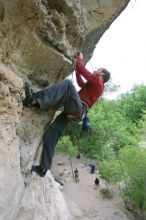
point(29, 95)
point(39, 171)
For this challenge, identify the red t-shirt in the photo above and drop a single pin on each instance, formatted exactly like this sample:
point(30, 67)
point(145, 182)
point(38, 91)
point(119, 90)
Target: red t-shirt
point(92, 89)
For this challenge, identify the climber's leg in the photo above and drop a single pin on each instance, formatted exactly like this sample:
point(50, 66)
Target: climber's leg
point(63, 93)
point(50, 139)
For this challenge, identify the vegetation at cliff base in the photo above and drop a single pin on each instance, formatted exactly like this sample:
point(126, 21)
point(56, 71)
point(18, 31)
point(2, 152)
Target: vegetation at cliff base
point(117, 129)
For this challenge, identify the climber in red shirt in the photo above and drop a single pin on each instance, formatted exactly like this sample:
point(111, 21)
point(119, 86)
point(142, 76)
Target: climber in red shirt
point(76, 105)
point(92, 89)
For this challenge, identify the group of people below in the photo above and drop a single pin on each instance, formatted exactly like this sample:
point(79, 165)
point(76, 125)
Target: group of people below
point(76, 105)
point(76, 175)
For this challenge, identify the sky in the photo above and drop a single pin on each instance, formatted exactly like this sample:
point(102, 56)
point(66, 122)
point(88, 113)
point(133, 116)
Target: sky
point(122, 48)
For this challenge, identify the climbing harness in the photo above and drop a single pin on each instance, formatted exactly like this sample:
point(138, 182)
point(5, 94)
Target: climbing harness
point(80, 114)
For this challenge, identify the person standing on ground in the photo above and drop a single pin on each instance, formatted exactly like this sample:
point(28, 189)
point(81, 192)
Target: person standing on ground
point(76, 175)
point(92, 166)
point(76, 104)
point(96, 182)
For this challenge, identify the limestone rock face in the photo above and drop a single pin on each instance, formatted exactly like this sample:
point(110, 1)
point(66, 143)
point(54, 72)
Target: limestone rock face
point(37, 34)
point(39, 39)
point(22, 194)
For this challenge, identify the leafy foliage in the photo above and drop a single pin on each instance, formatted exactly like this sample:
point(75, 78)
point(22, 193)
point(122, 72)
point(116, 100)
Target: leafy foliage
point(134, 102)
point(116, 129)
point(66, 145)
point(129, 168)
point(110, 131)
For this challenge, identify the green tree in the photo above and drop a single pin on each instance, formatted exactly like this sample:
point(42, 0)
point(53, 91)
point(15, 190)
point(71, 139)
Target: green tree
point(130, 168)
point(134, 102)
point(65, 144)
point(110, 131)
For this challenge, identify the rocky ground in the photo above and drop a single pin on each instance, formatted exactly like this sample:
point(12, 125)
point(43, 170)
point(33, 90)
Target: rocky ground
point(84, 201)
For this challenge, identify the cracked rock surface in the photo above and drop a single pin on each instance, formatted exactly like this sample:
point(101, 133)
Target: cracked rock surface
point(39, 39)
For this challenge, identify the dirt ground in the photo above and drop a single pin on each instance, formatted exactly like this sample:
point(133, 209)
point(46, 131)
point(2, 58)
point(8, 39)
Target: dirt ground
point(83, 200)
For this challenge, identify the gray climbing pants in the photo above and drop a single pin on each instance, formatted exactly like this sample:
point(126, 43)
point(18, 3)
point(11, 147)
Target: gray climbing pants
point(63, 93)
point(50, 139)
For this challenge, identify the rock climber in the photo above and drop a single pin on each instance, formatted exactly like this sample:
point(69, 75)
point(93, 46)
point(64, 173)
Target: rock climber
point(76, 104)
